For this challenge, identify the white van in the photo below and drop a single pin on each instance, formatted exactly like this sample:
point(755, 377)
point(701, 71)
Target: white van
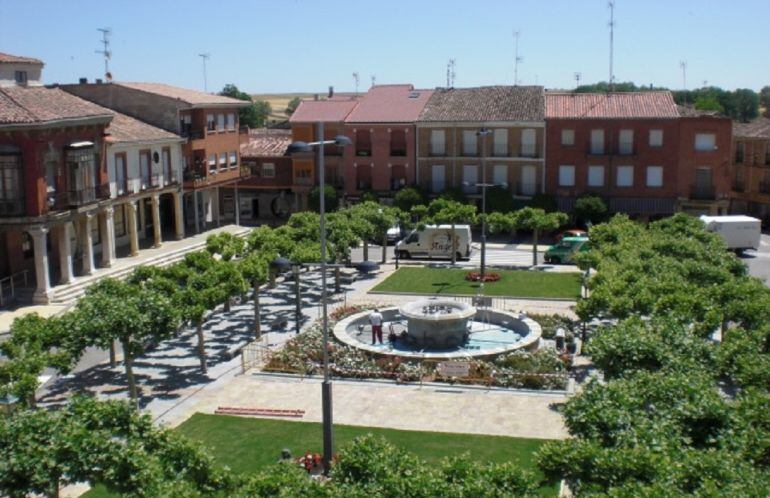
point(739, 232)
point(435, 241)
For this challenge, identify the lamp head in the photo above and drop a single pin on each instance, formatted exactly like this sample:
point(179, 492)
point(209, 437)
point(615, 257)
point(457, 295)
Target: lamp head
point(342, 141)
point(299, 147)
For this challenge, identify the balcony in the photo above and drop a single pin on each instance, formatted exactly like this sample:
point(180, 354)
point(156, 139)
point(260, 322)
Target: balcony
point(703, 192)
point(397, 152)
point(303, 181)
point(11, 207)
point(526, 189)
point(364, 152)
point(79, 197)
point(739, 186)
point(764, 187)
point(194, 133)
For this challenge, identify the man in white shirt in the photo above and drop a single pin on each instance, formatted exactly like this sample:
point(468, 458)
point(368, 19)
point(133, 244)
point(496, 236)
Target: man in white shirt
point(375, 319)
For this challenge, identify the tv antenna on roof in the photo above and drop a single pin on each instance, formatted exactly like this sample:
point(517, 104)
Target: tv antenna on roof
point(105, 51)
point(450, 73)
point(611, 5)
point(516, 58)
point(577, 79)
point(205, 57)
point(355, 78)
point(374, 80)
point(683, 67)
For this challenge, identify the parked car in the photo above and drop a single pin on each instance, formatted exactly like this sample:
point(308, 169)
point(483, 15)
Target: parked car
point(565, 250)
point(394, 234)
point(572, 232)
point(435, 241)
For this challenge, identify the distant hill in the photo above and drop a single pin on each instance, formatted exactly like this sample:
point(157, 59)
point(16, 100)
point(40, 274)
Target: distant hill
point(279, 101)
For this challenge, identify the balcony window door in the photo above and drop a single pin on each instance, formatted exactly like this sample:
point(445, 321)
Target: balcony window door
point(500, 140)
point(211, 122)
point(220, 122)
point(597, 142)
point(121, 175)
point(528, 185)
point(397, 177)
point(166, 159)
point(500, 174)
point(364, 177)
point(81, 165)
point(231, 121)
point(705, 142)
point(145, 168)
point(739, 150)
point(470, 178)
point(51, 160)
point(470, 144)
point(10, 180)
point(626, 142)
point(398, 143)
point(596, 176)
point(528, 143)
point(363, 143)
point(438, 178)
point(437, 143)
point(703, 180)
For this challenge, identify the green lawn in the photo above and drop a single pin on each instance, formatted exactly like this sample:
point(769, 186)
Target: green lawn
point(248, 444)
point(512, 283)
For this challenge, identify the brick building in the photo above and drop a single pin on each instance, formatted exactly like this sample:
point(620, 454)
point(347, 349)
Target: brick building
point(210, 156)
point(750, 170)
point(638, 151)
point(266, 194)
point(452, 155)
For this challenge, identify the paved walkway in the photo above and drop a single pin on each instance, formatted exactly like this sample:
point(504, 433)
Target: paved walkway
point(45, 310)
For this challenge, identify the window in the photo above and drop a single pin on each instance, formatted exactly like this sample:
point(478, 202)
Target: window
point(120, 221)
point(596, 176)
point(21, 77)
point(166, 161)
point(500, 147)
point(437, 143)
point(656, 138)
point(220, 122)
point(144, 167)
point(566, 176)
point(10, 180)
point(705, 142)
point(568, 137)
point(363, 177)
point(121, 178)
point(438, 178)
point(398, 143)
point(212, 163)
point(597, 142)
point(500, 174)
point(626, 142)
point(625, 176)
point(223, 160)
point(268, 170)
point(739, 149)
point(470, 178)
point(363, 143)
point(469, 143)
point(233, 158)
point(230, 121)
point(51, 160)
point(528, 143)
point(767, 154)
point(654, 176)
point(210, 122)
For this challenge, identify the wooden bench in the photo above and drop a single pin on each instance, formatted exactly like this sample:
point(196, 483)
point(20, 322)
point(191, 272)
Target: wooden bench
point(259, 412)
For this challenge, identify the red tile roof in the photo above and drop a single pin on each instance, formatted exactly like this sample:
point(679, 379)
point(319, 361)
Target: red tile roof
point(9, 59)
point(632, 105)
point(759, 128)
point(390, 104)
point(266, 142)
point(39, 105)
point(334, 110)
point(191, 97)
point(485, 103)
point(125, 129)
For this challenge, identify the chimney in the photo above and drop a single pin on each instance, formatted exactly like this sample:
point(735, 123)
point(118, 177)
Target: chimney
point(83, 81)
point(315, 97)
point(98, 81)
point(331, 91)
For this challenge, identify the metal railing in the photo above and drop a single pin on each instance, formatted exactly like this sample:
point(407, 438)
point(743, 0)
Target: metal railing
point(703, 192)
point(78, 197)
point(10, 284)
point(11, 207)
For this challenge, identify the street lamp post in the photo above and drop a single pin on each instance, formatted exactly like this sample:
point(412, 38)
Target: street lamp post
point(482, 133)
point(326, 386)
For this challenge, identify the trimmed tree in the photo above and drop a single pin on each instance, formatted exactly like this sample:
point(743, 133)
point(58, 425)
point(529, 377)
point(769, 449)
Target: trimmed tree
point(538, 221)
point(451, 213)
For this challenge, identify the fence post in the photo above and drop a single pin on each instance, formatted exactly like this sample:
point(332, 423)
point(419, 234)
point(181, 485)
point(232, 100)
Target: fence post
point(243, 361)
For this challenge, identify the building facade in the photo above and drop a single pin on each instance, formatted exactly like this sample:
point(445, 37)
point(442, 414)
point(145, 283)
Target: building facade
point(453, 155)
point(750, 170)
point(265, 191)
point(211, 153)
point(20, 71)
point(636, 151)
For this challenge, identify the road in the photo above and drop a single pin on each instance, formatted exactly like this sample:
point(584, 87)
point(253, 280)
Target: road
point(758, 261)
point(497, 255)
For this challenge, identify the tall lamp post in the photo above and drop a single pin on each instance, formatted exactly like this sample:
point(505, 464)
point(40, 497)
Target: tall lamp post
point(483, 133)
point(326, 387)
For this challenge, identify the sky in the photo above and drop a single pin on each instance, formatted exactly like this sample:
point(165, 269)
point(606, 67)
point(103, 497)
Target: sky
point(276, 46)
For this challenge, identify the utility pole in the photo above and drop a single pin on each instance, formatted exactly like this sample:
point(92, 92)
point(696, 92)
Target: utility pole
point(683, 67)
point(611, 5)
point(450, 73)
point(205, 57)
point(105, 51)
point(355, 79)
point(577, 79)
point(516, 58)
point(374, 80)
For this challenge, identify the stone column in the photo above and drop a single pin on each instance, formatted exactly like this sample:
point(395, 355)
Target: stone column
point(156, 221)
point(216, 206)
point(178, 215)
point(42, 293)
point(236, 201)
point(65, 253)
point(108, 237)
point(132, 233)
point(195, 211)
point(88, 245)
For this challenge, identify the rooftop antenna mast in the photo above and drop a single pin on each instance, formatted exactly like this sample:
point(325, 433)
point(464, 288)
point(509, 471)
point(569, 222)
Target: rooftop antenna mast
point(105, 51)
point(683, 67)
point(611, 5)
point(355, 78)
point(450, 73)
point(374, 80)
point(205, 57)
point(516, 58)
point(578, 75)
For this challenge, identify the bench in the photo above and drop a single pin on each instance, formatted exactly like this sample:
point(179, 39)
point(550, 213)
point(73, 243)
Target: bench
point(258, 412)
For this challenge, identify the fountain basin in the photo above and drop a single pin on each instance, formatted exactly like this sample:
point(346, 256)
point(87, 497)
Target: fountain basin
point(437, 323)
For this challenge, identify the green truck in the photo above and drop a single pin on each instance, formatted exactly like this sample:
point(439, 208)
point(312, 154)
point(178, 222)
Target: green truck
point(567, 247)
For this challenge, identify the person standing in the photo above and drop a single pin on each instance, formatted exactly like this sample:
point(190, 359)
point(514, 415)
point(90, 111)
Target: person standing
point(375, 319)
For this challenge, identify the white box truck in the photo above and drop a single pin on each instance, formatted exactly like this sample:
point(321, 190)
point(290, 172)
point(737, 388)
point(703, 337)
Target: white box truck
point(435, 241)
point(738, 231)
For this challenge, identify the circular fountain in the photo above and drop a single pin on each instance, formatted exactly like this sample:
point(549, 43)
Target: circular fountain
point(441, 329)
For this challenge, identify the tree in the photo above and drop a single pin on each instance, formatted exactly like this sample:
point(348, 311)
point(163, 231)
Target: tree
point(451, 212)
point(538, 221)
point(708, 103)
point(590, 209)
point(255, 269)
point(253, 116)
point(201, 293)
point(747, 104)
point(292, 105)
point(764, 100)
point(227, 245)
point(331, 201)
point(499, 199)
point(133, 315)
point(380, 218)
point(408, 197)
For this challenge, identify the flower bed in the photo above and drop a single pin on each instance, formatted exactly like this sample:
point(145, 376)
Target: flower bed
point(303, 355)
point(474, 276)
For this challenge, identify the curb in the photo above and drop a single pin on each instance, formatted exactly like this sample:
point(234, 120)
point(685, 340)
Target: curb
point(554, 299)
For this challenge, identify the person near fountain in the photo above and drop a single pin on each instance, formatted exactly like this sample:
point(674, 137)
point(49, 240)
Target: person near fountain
point(375, 319)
